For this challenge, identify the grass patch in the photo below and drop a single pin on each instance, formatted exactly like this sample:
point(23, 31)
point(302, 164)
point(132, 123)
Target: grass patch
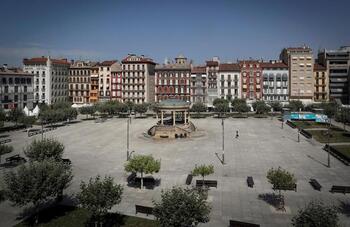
point(313, 124)
point(77, 217)
point(336, 136)
point(344, 149)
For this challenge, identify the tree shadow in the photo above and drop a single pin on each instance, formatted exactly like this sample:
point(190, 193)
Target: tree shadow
point(220, 159)
point(344, 208)
point(312, 158)
point(272, 199)
point(148, 182)
point(107, 220)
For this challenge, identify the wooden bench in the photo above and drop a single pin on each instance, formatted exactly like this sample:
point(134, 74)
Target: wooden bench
point(143, 209)
point(15, 159)
point(340, 189)
point(5, 141)
point(250, 181)
point(189, 179)
point(242, 224)
point(208, 183)
point(314, 183)
point(290, 187)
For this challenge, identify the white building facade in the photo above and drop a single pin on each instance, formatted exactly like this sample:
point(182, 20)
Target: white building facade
point(105, 80)
point(229, 81)
point(50, 79)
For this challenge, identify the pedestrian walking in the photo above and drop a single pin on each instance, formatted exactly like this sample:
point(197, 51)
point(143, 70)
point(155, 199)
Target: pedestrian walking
point(237, 135)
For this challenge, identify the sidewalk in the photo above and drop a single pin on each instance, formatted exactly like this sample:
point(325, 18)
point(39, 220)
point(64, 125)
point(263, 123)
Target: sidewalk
point(340, 125)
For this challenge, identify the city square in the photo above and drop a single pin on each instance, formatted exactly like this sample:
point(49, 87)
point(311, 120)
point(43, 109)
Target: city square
point(100, 149)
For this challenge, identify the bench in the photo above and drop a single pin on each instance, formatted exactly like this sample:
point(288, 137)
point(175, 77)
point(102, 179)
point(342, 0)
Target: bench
point(340, 189)
point(314, 183)
point(5, 141)
point(250, 181)
point(131, 178)
point(289, 187)
point(242, 224)
point(143, 209)
point(147, 181)
point(189, 179)
point(208, 183)
point(15, 159)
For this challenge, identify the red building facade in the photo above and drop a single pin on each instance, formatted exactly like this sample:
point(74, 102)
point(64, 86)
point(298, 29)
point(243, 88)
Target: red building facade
point(251, 74)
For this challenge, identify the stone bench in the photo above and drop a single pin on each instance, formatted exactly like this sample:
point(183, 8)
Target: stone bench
point(242, 224)
point(189, 179)
point(143, 209)
point(207, 183)
point(250, 181)
point(314, 183)
point(340, 189)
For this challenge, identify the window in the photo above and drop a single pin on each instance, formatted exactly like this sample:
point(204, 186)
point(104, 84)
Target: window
point(24, 97)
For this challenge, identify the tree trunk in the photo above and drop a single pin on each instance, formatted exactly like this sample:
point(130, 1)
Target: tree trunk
point(141, 180)
point(203, 181)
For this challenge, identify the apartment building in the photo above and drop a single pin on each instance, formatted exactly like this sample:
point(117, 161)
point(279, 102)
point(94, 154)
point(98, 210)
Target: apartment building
point(105, 78)
point(138, 80)
point(275, 81)
point(172, 80)
point(79, 81)
point(337, 63)
point(229, 81)
point(199, 85)
point(94, 88)
point(301, 81)
point(16, 88)
point(212, 69)
point(251, 79)
point(321, 84)
point(116, 83)
point(50, 78)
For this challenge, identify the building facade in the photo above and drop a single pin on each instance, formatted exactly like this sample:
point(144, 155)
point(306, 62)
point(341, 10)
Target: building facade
point(94, 87)
point(50, 79)
point(212, 68)
point(229, 81)
point(138, 83)
point(251, 79)
point(275, 81)
point(16, 88)
point(301, 81)
point(172, 80)
point(199, 85)
point(104, 80)
point(321, 83)
point(79, 82)
point(116, 82)
point(337, 63)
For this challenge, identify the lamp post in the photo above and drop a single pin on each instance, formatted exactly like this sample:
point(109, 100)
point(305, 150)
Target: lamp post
point(328, 147)
point(223, 141)
point(298, 135)
point(127, 139)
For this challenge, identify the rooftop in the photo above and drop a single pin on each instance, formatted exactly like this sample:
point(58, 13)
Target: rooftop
point(13, 72)
point(199, 69)
point(229, 67)
point(43, 60)
point(132, 58)
point(274, 65)
point(319, 67)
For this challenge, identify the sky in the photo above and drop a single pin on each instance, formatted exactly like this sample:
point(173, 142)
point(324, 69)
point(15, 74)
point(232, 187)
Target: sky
point(199, 29)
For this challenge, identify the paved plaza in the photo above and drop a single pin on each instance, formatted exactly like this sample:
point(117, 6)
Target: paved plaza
point(100, 148)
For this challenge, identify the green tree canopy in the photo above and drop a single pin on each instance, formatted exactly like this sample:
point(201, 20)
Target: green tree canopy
point(182, 207)
point(143, 164)
point(87, 110)
point(40, 150)
point(280, 179)
point(203, 170)
point(28, 121)
point(37, 182)
point(15, 114)
point(276, 106)
point(141, 108)
point(240, 105)
point(2, 115)
point(329, 109)
point(99, 195)
point(316, 214)
point(5, 149)
point(295, 105)
point(260, 107)
point(221, 105)
point(199, 107)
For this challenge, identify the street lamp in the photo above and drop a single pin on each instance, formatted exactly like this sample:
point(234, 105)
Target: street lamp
point(223, 141)
point(127, 139)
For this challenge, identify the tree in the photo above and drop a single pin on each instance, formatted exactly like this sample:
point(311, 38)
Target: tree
point(37, 182)
point(2, 117)
point(5, 149)
point(130, 106)
point(99, 195)
point(199, 107)
point(221, 106)
point(87, 110)
point(61, 105)
point(276, 106)
point(295, 105)
point(40, 150)
point(330, 109)
point(70, 114)
point(15, 114)
point(280, 179)
point(28, 121)
point(316, 214)
point(143, 164)
point(141, 108)
point(240, 105)
point(260, 107)
point(182, 207)
point(203, 170)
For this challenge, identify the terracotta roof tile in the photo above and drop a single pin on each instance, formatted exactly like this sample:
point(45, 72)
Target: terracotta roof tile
point(229, 67)
point(198, 69)
point(212, 63)
point(274, 65)
point(319, 67)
